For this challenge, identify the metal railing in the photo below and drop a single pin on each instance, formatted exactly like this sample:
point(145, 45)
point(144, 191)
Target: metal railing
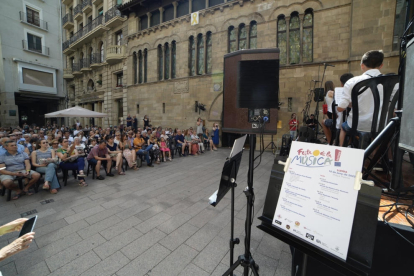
point(88, 28)
point(84, 63)
point(65, 45)
point(86, 3)
point(96, 58)
point(111, 13)
point(33, 21)
point(35, 47)
point(78, 9)
point(67, 18)
point(75, 67)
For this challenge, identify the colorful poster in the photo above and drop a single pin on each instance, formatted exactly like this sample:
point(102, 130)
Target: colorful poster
point(317, 199)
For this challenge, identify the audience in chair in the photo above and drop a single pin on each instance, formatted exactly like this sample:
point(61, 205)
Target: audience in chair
point(71, 159)
point(99, 155)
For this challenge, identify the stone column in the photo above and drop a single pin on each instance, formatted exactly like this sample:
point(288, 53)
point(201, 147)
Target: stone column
point(175, 4)
point(105, 6)
point(207, 3)
point(190, 2)
point(85, 20)
point(161, 14)
point(247, 36)
point(196, 54)
point(139, 23)
point(171, 59)
point(94, 11)
point(149, 19)
point(301, 17)
point(287, 40)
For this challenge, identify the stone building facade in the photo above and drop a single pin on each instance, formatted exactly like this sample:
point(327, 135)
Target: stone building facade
point(170, 64)
point(341, 31)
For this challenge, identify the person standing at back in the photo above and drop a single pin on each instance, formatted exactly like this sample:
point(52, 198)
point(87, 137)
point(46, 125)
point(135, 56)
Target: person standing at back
point(129, 120)
point(135, 122)
point(293, 125)
point(146, 121)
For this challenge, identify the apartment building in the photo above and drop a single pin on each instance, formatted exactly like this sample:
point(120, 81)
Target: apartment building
point(30, 61)
point(94, 55)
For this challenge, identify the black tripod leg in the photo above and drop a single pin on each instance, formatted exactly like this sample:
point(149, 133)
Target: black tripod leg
point(232, 268)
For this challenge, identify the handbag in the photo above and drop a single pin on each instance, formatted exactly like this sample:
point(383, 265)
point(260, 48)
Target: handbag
point(325, 109)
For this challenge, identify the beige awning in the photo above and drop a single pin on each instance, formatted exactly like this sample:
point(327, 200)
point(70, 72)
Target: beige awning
point(76, 111)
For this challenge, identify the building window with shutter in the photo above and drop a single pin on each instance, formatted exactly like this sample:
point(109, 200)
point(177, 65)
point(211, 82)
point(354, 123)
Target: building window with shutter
point(34, 43)
point(135, 67)
point(242, 37)
point(167, 61)
point(281, 39)
point(232, 39)
point(160, 62)
point(145, 64)
point(33, 16)
point(294, 39)
point(173, 58)
point(140, 66)
point(200, 53)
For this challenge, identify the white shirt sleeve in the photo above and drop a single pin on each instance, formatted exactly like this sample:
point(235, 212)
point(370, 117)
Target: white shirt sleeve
point(346, 95)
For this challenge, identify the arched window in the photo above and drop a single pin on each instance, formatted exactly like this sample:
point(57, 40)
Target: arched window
point(192, 56)
point(167, 61)
point(91, 85)
point(294, 39)
point(160, 62)
point(242, 37)
point(140, 66)
point(307, 54)
point(232, 39)
point(200, 53)
point(101, 49)
point(209, 53)
point(173, 58)
point(135, 67)
point(281, 39)
point(145, 64)
point(253, 35)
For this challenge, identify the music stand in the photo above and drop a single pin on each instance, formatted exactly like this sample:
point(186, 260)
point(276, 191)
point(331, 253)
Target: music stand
point(227, 182)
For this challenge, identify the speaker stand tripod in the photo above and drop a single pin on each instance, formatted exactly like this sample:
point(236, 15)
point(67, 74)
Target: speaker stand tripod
point(246, 260)
point(272, 145)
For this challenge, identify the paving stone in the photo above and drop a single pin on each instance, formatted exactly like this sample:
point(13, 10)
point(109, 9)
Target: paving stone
point(174, 263)
point(153, 222)
point(196, 208)
point(61, 233)
point(133, 210)
point(174, 222)
point(108, 266)
point(203, 217)
point(36, 270)
point(270, 247)
point(24, 263)
point(8, 269)
point(137, 247)
point(119, 228)
point(99, 226)
point(51, 219)
point(117, 243)
point(79, 265)
point(212, 254)
point(203, 236)
point(145, 262)
point(152, 211)
point(191, 270)
point(220, 269)
point(69, 254)
point(103, 215)
point(84, 214)
point(87, 205)
point(179, 207)
point(179, 236)
point(49, 228)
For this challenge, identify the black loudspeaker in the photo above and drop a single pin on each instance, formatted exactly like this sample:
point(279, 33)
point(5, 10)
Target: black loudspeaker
point(251, 82)
point(306, 134)
point(319, 95)
point(257, 83)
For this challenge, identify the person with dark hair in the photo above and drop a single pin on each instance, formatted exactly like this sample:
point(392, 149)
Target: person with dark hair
point(371, 64)
point(327, 123)
point(293, 126)
point(311, 123)
point(100, 155)
point(329, 91)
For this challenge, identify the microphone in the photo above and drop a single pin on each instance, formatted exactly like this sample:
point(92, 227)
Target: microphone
point(326, 64)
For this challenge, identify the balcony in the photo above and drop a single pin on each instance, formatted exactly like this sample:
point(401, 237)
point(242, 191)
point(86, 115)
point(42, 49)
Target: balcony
point(67, 2)
point(76, 69)
point(87, 33)
point(78, 12)
point(115, 53)
point(66, 49)
point(97, 2)
point(35, 22)
point(85, 65)
point(97, 60)
point(113, 18)
point(87, 6)
point(35, 48)
point(67, 74)
point(67, 21)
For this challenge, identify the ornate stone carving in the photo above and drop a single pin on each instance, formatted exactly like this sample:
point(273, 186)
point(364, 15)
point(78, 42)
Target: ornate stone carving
point(181, 87)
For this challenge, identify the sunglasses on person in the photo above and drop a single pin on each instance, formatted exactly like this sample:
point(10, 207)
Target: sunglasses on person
point(45, 142)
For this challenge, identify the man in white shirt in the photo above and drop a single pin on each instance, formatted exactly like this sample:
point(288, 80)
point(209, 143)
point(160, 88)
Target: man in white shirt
point(371, 63)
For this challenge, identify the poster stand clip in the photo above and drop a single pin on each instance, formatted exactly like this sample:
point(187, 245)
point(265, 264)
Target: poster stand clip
point(286, 164)
point(359, 181)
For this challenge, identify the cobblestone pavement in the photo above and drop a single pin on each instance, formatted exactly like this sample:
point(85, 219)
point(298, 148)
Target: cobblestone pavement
point(155, 221)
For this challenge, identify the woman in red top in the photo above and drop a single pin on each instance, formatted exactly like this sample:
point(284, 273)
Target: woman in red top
point(293, 125)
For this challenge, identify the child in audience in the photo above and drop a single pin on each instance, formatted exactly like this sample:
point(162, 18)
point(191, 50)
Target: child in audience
point(164, 149)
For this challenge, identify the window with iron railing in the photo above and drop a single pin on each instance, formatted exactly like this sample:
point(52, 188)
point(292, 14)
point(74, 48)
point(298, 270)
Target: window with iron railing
point(33, 16)
point(34, 43)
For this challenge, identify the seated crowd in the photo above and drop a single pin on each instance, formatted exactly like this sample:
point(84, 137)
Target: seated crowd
point(29, 152)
